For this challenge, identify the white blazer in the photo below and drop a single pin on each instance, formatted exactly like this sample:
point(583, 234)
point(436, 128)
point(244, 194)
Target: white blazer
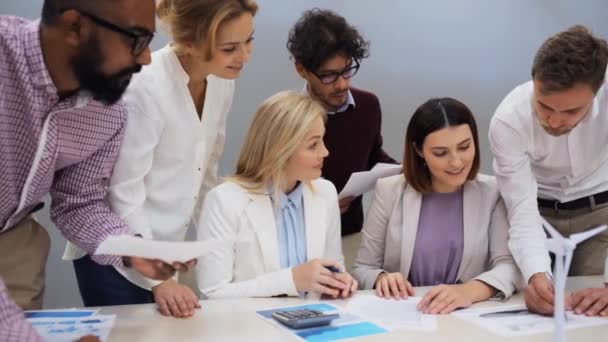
point(251, 267)
point(169, 157)
point(389, 234)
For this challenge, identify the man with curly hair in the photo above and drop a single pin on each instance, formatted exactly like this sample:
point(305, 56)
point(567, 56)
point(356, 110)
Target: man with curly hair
point(550, 150)
point(327, 52)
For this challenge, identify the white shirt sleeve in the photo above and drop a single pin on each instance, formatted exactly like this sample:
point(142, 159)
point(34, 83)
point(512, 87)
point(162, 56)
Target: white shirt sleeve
point(518, 188)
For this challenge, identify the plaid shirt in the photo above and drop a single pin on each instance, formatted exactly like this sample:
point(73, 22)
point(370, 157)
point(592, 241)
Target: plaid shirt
point(13, 326)
point(63, 147)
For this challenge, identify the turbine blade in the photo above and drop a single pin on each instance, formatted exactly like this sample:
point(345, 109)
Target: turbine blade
point(552, 231)
point(579, 237)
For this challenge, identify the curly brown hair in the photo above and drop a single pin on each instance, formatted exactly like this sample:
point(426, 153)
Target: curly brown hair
point(570, 57)
point(321, 34)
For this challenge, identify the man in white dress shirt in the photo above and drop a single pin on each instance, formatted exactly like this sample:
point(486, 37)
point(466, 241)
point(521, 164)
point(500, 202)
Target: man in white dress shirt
point(549, 137)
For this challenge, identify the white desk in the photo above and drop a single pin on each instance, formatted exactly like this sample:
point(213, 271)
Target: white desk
point(235, 320)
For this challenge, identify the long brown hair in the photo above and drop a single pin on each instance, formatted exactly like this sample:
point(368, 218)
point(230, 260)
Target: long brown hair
point(433, 115)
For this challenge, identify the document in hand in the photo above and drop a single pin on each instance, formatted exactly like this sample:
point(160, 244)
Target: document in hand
point(362, 182)
point(167, 251)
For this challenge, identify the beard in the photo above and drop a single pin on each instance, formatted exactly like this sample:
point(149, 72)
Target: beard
point(556, 132)
point(107, 89)
point(328, 101)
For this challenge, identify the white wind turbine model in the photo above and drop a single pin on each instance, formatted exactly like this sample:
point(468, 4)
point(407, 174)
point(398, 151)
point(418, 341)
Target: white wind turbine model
point(563, 249)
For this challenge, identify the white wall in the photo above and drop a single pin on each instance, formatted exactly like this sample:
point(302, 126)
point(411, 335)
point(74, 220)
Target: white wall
point(473, 50)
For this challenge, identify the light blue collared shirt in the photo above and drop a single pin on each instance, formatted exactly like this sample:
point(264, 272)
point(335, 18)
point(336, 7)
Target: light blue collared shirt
point(291, 228)
point(350, 100)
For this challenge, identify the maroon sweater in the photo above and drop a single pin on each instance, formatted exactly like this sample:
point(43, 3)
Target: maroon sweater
point(354, 141)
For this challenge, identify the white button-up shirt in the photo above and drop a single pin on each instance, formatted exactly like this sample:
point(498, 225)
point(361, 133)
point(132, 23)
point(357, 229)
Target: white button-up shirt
point(169, 157)
point(530, 163)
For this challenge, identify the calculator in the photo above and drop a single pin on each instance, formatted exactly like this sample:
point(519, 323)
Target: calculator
point(303, 318)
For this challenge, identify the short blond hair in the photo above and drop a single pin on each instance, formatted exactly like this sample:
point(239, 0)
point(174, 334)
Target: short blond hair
point(278, 128)
point(197, 21)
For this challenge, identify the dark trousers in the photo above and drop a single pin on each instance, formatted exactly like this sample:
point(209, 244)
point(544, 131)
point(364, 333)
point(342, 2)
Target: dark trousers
point(102, 285)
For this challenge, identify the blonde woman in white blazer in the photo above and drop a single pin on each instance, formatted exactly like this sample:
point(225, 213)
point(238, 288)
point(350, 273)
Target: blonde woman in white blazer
point(177, 109)
point(440, 223)
point(284, 219)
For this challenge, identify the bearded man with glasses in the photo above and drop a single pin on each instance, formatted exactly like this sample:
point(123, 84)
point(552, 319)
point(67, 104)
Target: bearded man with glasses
point(61, 126)
point(327, 52)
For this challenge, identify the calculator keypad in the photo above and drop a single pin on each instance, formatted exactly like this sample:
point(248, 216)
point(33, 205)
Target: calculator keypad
point(303, 317)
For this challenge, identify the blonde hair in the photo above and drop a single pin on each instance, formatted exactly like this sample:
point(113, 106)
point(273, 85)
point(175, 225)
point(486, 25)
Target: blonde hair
point(278, 128)
point(197, 21)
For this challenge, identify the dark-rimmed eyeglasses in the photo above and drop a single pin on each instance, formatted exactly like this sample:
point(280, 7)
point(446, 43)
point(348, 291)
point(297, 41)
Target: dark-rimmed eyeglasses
point(141, 40)
point(331, 77)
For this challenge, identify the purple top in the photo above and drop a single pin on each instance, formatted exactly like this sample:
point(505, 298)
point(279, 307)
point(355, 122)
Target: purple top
point(439, 240)
point(66, 148)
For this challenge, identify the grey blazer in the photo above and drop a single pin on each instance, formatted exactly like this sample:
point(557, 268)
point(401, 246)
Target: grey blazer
point(389, 234)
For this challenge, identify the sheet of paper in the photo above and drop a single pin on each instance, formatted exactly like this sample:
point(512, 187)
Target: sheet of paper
point(362, 182)
point(346, 327)
point(391, 313)
point(70, 329)
point(62, 313)
point(519, 324)
point(167, 251)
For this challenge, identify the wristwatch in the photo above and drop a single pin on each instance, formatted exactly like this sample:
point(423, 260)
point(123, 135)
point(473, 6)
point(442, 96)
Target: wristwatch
point(126, 261)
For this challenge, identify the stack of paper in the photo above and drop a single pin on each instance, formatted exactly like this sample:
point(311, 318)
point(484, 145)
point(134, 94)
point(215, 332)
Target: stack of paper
point(70, 325)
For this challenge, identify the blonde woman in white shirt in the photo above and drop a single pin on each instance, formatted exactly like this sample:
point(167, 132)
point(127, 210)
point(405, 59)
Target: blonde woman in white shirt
point(284, 219)
point(174, 139)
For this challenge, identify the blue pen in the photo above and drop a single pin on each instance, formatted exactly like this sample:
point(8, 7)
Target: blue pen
point(333, 269)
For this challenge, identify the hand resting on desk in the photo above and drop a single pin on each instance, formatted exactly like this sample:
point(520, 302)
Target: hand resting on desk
point(174, 299)
point(393, 285)
point(591, 302)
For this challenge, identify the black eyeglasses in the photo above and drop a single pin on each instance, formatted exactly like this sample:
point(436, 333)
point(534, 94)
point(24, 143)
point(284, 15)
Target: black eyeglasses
point(141, 40)
point(331, 77)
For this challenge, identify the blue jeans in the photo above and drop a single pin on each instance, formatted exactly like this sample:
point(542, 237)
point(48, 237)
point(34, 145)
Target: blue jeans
point(102, 285)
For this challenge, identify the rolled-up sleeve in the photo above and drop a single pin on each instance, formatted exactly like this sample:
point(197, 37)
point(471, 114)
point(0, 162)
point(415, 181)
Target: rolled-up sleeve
point(518, 188)
point(79, 207)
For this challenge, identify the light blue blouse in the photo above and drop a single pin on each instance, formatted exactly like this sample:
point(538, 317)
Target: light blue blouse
point(291, 228)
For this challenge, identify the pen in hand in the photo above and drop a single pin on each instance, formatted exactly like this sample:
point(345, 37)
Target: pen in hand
point(333, 269)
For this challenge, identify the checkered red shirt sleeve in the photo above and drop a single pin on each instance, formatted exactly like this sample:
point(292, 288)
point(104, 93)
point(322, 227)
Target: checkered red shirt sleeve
point(79, 208)
point(13, 325)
